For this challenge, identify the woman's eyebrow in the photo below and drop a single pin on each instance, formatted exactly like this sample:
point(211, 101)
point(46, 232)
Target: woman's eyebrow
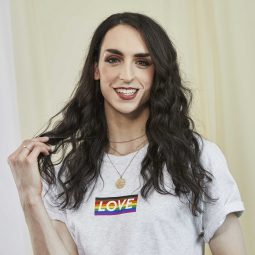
point(114, 51)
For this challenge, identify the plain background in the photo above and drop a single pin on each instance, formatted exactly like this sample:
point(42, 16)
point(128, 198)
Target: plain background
point(45, 44)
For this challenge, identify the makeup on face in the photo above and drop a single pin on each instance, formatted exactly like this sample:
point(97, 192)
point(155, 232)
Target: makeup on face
point(114, 56)
point(125, 70)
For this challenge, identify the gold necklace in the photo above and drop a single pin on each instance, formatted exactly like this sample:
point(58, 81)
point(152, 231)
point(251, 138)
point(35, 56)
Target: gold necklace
point(123, 154)
point(120, 183)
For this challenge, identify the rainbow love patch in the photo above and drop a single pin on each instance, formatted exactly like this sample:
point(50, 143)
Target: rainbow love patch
point(115, 205)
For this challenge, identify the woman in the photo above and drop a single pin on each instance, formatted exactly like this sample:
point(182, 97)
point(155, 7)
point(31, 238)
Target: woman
point(134, 176)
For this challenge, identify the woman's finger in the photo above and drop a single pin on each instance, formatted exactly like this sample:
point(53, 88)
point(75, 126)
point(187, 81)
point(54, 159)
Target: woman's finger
point(20, 152)
point(26, 148)
point(41, 138)
point(30, 147)
point(32, 157)
point(27, 142)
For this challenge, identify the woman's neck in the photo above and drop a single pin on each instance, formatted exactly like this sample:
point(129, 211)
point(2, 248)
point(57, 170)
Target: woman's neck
point(126, 133)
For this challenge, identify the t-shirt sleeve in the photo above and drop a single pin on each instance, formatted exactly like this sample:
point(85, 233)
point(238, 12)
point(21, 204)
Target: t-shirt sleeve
point(50, 203)
point(223, 188)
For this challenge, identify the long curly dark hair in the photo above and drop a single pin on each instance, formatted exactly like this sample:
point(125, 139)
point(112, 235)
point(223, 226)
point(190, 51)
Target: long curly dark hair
point(81, 133)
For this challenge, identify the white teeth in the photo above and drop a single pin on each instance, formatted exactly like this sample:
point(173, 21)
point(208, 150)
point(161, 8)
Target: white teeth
point(126, 91)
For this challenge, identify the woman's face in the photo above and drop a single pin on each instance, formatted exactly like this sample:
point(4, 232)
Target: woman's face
point(125, 71)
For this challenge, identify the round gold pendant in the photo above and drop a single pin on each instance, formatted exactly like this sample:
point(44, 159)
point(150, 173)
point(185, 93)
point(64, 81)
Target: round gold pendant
point(120, 183)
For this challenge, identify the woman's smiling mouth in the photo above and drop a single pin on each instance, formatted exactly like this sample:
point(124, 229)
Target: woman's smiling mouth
point(126, 93)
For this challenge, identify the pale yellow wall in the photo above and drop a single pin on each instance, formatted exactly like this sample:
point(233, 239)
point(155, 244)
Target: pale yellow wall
point(215, 41)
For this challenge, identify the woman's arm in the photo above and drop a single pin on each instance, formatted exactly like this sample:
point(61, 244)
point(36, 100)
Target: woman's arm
point(65, 236)
point(24, 166)
point(228, 239)
point(47, 237)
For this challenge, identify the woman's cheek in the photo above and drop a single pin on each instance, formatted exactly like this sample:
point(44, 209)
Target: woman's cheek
point(147, 80)
point(109, 73)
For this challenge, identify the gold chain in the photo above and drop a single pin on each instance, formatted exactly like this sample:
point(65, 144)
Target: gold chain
point(121, 182)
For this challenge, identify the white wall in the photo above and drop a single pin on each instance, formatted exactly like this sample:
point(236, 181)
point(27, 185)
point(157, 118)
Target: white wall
point(13, 231)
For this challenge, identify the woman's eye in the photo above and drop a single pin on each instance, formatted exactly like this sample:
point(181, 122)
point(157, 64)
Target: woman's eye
point(143, 63)
point(112, 60)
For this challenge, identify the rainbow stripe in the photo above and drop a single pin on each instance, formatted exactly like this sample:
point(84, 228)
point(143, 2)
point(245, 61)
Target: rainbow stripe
point(115, 205)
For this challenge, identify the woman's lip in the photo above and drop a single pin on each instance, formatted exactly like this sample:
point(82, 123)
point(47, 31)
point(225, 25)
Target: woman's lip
point(127, 97)
point(125, 88)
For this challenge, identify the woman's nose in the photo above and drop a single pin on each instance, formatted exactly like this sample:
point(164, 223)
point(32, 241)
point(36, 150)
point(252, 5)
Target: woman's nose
point(126, 72)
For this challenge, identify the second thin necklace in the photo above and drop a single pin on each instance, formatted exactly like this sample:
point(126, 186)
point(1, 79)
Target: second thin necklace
point(120, 183)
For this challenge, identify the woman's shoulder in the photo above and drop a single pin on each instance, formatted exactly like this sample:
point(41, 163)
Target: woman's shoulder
point(211, 153)
point(207, 146)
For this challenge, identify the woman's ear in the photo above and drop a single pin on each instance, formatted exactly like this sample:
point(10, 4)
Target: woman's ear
point(96, 72)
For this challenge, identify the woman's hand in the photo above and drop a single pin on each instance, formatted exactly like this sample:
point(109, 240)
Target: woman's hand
point(24, 167)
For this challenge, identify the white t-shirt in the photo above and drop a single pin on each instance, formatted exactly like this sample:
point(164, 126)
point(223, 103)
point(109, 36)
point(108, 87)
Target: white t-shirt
point(119, 221)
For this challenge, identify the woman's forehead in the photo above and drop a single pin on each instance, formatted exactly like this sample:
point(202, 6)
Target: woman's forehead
point(125, 39)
